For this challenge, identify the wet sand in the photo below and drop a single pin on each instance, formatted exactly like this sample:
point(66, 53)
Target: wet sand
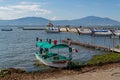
point(104, 72)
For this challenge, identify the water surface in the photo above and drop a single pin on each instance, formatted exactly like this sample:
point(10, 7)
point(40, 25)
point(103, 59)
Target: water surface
point(17, 47)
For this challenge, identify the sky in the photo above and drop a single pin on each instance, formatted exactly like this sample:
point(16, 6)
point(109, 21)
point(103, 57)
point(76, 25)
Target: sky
point(59, 9)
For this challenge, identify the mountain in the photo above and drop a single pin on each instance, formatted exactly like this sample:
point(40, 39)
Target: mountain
point(93, 20)
point(30, 21)
point(86, 21)
point(25, 21)
point(89, 21)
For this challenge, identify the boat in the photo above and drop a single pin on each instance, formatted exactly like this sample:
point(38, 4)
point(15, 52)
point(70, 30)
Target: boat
point(116, 32)
point(48, 54)
point(63, 29)
point(84, 31)
point(72, 30)
point(51, 29)
point(7, 29)
point(101, 32)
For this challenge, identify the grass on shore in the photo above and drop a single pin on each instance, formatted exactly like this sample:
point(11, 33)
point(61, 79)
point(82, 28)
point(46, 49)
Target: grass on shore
point(104, 58)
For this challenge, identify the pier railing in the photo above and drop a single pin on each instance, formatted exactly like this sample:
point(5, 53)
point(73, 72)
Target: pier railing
point(93, 46)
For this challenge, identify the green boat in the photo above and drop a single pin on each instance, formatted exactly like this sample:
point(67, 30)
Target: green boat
point(53, 59)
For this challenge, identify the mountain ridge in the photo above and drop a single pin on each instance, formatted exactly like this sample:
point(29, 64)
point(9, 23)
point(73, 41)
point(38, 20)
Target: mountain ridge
point(85, 21)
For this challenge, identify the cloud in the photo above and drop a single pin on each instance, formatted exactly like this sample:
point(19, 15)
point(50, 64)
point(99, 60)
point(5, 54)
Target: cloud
point(54, 18)
point(40, 3)
point(23, 8)
point(25, 3)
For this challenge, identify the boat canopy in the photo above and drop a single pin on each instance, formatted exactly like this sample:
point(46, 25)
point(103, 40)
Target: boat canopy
point(51, 46)
point(40, 44)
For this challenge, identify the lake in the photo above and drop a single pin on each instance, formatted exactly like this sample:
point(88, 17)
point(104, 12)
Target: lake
point(17, 47)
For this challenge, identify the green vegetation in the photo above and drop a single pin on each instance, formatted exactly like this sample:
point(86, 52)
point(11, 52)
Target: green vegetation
point(4, 73)
point(104, 58)
point(118, 46)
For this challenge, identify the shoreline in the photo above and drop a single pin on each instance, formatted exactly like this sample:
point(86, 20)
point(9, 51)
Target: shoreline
point(110, 71)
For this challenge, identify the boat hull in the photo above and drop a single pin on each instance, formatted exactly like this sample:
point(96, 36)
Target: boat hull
point(102, 32)
point(52, 30)
point(50, 63)
point(6, 29)
point(116, 32)
point(85, 31)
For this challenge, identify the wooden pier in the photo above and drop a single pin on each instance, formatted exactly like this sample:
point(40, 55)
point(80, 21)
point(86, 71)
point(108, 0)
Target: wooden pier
point(93, 46)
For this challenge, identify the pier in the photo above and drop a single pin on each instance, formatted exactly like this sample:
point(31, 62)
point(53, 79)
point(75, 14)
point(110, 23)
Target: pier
point(33, 28)
point(92, 46)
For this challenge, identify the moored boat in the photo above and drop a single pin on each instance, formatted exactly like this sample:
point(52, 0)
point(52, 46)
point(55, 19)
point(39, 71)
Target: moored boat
point(101, 32)
point(116, 32)
point(84, 31)
point(7, 29)
point(51, 29)
point(72, 29)
point(63, 29)
point(48, 57)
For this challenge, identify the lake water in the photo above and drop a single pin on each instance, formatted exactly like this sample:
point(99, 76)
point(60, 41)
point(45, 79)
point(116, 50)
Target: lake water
point(17, 47)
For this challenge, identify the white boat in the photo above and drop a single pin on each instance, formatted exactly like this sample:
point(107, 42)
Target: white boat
point(63, 29)
point(116, 32)
point(72, 30)
point(52, 30)
point(84, 30)
point(101, 32)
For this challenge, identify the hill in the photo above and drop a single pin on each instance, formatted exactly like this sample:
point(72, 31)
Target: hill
point(89, 21)
point(86, 21)
point(25, 21)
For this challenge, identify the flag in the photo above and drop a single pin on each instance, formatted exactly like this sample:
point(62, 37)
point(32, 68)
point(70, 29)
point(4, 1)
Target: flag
point(74, 50)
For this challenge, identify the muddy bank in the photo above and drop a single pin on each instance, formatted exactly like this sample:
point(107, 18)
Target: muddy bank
point(112, 70)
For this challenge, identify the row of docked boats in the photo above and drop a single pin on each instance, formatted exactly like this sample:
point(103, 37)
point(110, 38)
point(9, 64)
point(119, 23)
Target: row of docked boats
point(103, 32)
point(84, 31)
point(93, 31)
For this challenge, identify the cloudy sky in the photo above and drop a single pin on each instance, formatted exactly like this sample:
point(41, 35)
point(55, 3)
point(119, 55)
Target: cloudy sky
point(59, 9)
